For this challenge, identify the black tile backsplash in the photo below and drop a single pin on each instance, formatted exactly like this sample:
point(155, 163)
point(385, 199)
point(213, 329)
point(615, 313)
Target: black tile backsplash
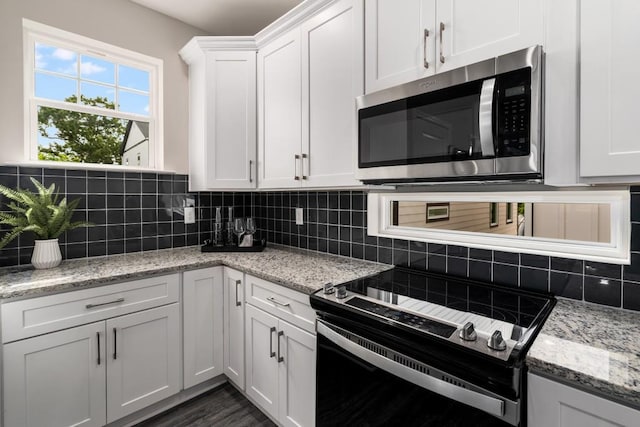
point(131, 211)
point(135, 212)
point(328, 229)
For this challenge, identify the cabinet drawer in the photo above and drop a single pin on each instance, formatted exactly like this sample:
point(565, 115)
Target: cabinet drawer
point(27, 318)
point(285, 303)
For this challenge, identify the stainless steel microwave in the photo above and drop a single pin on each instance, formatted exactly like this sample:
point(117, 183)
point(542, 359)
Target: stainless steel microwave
point(479, 122)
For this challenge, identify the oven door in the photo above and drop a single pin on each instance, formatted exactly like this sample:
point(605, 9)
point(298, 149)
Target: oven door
point(361, 383)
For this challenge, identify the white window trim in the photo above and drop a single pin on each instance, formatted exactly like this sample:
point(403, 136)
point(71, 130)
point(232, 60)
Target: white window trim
point(36, 32)
point(617, 251)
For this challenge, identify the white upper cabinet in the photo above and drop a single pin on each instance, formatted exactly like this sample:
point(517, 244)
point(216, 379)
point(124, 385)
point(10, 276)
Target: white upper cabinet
point(280, 112)
point(415, 38)
point(609, 108)
point(469, 31)
point(222, 114)
point(400, 41)
point(332, 77)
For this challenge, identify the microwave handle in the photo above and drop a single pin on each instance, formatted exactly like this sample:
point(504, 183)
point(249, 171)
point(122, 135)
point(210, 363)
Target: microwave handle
point(485, 117)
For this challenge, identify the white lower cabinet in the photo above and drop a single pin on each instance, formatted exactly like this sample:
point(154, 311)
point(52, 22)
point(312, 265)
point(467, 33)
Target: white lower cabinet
point(202, 299)
point(234, 326)
point(143, 355)
point(551, 404)
point(57, 379)
point(280, 370)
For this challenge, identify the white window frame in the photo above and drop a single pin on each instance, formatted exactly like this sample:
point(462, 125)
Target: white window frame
point(379, 215)
point(35, 32)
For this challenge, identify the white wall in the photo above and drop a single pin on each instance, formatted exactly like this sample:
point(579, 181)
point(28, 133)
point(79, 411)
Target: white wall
point(118, 22)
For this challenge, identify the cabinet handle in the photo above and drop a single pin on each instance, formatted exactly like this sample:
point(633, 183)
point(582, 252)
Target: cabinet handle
point(115, 343)
point(238, 303)
point(424, 52)
point(275, 301)
point(89, 306)
point(296, 157)
point(280, 358)
point(304, 156)
point(98, 337)
point(441, 43)
point(250, 170)
point(271, 352)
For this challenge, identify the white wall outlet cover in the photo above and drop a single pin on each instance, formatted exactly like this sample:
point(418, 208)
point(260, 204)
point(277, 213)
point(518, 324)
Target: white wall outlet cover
point(189, 215)
point(299, 215)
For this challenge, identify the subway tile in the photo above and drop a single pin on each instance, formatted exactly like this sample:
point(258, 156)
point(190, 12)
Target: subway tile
point(601, 269)
point(457, 266)
point(480, 270)
point(401, 257)
point(635, 207)
point(385, 255)
point(566, 285)
point(631, 296)
point(531, 260)
point(505, 274)
point(480, 254)
point(568, 265)
point(457, 251)
point(601, 290)
point(506, 257)
point(534, 279)
point(437, 263)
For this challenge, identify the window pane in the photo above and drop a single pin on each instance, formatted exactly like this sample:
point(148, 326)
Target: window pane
point(133, 78)
point(58, 60)
point(56, 88)
point(97, 69)
point(133, 103)
point(97, 95)
point(135, 151)
point(79, 137)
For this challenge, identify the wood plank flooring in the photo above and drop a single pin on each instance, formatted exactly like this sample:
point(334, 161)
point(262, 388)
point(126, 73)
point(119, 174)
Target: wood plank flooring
point(223, 406)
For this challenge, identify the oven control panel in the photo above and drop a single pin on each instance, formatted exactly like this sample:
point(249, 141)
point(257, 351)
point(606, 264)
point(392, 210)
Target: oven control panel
point(403, 317)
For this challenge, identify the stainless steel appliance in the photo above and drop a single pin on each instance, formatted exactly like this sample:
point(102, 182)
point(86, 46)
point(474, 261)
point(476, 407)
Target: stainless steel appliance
point(418, 349)
point(479, 122)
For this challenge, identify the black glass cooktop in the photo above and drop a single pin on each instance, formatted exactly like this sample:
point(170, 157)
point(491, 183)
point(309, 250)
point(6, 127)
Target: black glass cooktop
point(406, 287)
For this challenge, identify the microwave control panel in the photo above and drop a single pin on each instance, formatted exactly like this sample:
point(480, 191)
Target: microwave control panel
point(513, 110)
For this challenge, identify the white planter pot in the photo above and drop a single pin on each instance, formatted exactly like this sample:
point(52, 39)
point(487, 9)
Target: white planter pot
point(46, 254)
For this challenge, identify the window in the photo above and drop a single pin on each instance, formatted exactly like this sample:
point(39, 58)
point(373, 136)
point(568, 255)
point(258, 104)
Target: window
point(509, 208)
point(90, 102)
point(493, 214)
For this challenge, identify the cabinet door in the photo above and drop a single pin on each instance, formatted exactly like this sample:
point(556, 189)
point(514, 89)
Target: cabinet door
point(551, 404)
point(234, 326)
point(143, 359)
point(231, 120)
point(332, 49)
point(469, 31)
point(279, 116)
point(609, 106)
point(262, 362)
point(399, 42)
point(57, 379)
point(202, 325)
point(297, 375)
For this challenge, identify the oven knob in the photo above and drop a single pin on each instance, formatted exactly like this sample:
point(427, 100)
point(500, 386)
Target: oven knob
point(328, 288)
point(341, 292)
point(468, 332)
point(496, 342)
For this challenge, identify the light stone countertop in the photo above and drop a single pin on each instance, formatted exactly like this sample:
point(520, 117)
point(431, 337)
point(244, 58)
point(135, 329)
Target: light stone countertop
point(304, 271)
point(595, 348)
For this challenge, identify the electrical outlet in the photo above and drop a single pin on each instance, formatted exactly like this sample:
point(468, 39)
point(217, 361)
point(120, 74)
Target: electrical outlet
point(299, 215)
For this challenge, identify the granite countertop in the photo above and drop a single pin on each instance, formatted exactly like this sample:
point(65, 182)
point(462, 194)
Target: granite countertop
point(593, 347)
point(304, 271)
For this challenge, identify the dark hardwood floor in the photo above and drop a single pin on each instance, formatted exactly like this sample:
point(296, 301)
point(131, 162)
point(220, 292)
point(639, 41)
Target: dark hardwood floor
point(222, 406)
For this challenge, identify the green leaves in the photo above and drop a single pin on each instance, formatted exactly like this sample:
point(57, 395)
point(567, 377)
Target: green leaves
point(41, 213)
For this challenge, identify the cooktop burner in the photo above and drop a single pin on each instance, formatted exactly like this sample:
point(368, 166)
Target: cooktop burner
point(493, 320)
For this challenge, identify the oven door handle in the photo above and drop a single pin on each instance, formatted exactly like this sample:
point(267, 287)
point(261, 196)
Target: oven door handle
point(472, 398)
point(485, 117)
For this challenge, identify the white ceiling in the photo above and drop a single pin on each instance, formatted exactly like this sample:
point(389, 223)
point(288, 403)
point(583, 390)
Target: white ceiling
point(223, 17)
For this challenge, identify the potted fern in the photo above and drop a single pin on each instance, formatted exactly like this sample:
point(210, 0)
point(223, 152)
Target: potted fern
point(42, 213)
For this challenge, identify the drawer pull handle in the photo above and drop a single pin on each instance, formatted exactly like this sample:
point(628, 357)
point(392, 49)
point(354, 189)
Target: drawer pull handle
point(98, 337)
point(280, 358)
point(119, 300)
point(271, 352)
point(115, 343)
point(275, 301)
point(238, 303)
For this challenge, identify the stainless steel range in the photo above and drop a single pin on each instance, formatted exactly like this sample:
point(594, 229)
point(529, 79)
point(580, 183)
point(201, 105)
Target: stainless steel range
point(417, 349)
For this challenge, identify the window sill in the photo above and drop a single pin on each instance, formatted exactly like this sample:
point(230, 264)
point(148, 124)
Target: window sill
point(88, 166)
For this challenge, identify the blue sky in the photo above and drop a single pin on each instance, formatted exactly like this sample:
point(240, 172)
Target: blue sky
point(60, 73)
